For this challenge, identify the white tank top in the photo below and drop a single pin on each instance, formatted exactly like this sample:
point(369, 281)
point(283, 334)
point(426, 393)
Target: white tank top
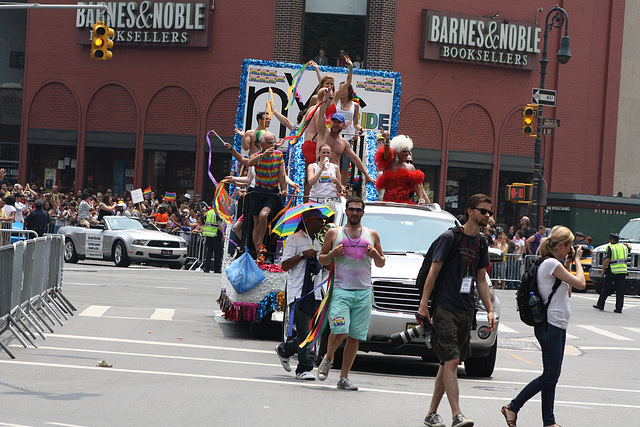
point(325, 186)
point(353, 270)
point(350, 130)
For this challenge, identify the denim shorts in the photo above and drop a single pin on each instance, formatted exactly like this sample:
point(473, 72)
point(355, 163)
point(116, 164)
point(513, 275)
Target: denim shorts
point(451, 334)
point(350, 312)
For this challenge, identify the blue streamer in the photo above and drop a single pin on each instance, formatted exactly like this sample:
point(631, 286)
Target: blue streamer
point(268, 305)
point(293, 307)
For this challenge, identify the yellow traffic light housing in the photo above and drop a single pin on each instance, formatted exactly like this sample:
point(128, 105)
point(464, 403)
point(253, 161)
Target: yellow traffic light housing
point(528, 114)
point(100, 41)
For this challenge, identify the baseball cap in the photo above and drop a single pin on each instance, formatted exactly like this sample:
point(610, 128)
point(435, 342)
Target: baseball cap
point(122, 204)
point(187, 196)
point(338, 116)
point(313, 213)
point(581, 234)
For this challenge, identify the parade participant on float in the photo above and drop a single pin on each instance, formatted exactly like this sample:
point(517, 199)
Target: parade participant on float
point(399, 178)
point(324, 177)
point(331, 136)
point(250, 137)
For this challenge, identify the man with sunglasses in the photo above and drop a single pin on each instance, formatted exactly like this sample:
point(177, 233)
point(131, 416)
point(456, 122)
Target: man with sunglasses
point(351, 249)
point(451, 284)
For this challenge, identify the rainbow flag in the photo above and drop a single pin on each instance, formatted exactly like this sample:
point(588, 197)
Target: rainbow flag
point(147, 191)
point(170, 197)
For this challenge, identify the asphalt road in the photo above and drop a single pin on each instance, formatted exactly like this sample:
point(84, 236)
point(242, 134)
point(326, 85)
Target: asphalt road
point(176, 362)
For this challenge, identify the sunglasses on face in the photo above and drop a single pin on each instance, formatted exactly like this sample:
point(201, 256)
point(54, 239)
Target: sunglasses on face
point(484, 211)
point(356, 210)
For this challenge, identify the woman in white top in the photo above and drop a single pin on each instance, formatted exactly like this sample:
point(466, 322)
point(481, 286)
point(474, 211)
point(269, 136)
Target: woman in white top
point(323, 177)
point(552, 333)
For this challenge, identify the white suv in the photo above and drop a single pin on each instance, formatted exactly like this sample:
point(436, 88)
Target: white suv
point(406, 232)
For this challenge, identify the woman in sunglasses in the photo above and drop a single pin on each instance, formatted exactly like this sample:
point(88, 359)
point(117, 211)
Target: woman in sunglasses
point(399, 177)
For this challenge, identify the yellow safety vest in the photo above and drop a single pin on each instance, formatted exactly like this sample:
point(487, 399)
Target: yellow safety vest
point(210, 228)
point(618, 262)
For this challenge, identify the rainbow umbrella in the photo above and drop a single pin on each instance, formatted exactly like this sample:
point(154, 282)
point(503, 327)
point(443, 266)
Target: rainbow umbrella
point(291, 218)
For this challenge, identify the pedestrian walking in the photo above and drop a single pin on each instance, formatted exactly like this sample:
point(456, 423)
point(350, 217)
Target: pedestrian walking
point(301, 264)
point(451, 284)
point(351, 249)
point(615, 271)
point(551, 334)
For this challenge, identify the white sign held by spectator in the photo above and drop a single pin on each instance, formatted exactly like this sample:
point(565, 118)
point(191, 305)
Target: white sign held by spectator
point(136, 195)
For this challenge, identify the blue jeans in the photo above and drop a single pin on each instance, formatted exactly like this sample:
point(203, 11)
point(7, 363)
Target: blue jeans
point(289, 348)
point(552, 340)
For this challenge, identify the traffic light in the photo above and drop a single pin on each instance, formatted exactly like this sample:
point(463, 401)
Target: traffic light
point(100, 42)
point(528, 115)
point(519, 193)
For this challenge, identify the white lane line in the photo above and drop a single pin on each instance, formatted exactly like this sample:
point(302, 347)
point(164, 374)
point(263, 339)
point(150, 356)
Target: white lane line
point(12, 425)
point(286, 382)
point(504, 328)
point(163, 314)
point(81, 284)
point(95, 310)
point(611, 348)
point(637, 330)
point(62, 424)
point(158, 343)
point(605, 333)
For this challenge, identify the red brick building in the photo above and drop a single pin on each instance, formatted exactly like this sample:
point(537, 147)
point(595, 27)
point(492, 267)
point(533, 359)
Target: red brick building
point(141, 118)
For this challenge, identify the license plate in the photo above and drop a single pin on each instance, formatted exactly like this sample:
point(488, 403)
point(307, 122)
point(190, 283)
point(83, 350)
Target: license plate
point(166, 252)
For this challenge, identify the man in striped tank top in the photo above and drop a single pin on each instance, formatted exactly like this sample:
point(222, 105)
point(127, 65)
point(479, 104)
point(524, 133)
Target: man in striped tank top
point(270, 183)
point(351, 249)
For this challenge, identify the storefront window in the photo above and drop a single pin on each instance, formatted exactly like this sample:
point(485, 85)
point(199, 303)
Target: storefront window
point(51, 165)
point(107, 168)
point(462, 184)
point(430, 180)
point(332, 33)
point(172, 171)
point(510, 213)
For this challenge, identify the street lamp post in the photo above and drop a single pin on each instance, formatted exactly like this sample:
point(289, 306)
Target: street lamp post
point(559, 19)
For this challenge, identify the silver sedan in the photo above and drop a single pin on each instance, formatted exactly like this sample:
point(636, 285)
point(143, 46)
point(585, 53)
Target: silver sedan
point(124, 240)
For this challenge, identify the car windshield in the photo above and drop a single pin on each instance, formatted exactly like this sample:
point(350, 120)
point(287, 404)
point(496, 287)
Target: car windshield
point(631, 231)
point(406, 233)
point(124, 223)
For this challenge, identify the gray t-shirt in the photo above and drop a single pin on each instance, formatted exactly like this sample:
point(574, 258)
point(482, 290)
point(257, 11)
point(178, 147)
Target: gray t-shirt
point(83, 210)
point(473, 254)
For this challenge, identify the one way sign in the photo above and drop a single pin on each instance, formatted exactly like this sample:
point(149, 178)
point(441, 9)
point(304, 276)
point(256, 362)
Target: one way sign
point(543, 97)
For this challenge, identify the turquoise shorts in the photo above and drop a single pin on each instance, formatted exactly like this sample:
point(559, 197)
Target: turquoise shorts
point(350, 312)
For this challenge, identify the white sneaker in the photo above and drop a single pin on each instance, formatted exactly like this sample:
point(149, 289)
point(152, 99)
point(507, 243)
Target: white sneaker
point(284, 361)
point(346, 384)
point(305, 376)
point(323, 369)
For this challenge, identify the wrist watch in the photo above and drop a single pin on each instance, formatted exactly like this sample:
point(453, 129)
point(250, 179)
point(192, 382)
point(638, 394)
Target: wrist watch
point(301, 255)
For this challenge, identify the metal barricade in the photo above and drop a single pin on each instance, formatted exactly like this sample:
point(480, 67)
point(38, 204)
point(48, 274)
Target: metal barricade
point(506, 274)
point(30, 287)
point(196, 249)
point(5, 238)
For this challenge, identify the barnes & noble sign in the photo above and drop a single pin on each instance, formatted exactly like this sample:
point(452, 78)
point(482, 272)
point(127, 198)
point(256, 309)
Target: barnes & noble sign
point(478, 40)
point(149, 23)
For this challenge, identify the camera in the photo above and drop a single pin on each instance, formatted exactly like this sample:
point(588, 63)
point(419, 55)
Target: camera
point(401, 338)
point(586, 252)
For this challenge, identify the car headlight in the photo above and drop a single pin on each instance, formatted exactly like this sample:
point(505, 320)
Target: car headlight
point(183, 244)
point(140, 242)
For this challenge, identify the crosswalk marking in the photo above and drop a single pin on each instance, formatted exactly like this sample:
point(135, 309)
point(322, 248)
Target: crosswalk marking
point(95, 310)
point(163, 314)
point(605, 333)
point(505, 329)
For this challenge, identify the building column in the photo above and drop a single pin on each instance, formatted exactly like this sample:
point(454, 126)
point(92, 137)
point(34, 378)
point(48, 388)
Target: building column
point(287, 38)
point(381, 34)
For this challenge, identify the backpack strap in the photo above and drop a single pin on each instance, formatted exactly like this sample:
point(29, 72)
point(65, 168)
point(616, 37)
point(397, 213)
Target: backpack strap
point(553, 291)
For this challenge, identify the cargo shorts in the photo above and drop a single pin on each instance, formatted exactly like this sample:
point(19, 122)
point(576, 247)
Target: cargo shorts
point(451, 334)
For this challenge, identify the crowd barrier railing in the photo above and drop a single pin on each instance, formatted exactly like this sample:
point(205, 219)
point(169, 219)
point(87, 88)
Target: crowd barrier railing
point(196, 248)
point(31, 298)
point(506, 274)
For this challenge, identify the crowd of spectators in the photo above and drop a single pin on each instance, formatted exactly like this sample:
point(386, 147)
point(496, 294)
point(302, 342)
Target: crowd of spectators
point(86, 207)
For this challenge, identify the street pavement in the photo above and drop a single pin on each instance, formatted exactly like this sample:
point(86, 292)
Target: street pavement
point(176, 362)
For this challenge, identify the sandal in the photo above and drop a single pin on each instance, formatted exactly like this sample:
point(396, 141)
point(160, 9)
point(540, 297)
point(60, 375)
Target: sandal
point(504, 410)
point(262, 249)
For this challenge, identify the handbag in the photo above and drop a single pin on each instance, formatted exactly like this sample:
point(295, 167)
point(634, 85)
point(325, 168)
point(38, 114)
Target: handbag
point(244, 274)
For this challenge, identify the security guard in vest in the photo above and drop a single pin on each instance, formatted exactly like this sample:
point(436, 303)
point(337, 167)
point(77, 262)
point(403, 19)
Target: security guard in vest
point(213, 242)
point(615, 270)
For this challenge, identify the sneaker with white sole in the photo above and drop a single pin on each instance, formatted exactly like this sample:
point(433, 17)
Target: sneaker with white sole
point(323, 369)
point(305, 376)
point(346, 384)
point(283, 360)
point(434, 420)
point(461, 421)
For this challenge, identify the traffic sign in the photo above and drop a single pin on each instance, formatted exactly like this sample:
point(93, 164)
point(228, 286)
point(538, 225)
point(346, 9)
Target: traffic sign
point(550, 123)
point(547, 131)
point(543, 97)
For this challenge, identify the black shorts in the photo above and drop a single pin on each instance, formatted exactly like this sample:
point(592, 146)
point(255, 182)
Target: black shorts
point(261, 198)
point(451, 334)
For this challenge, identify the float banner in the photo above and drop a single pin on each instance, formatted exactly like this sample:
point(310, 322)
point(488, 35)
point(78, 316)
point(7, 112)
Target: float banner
point(378, 93)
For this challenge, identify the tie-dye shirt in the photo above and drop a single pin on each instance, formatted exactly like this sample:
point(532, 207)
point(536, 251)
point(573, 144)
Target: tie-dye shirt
point(353, 270)
point(267, 170)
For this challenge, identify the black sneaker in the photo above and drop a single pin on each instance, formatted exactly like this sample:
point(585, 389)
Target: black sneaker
point(461, 421)
point(597, 308)
point(617, 311)
point(434, 420)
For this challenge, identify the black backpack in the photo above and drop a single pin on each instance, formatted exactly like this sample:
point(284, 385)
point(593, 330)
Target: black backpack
point(428, 257)
point(528, 284)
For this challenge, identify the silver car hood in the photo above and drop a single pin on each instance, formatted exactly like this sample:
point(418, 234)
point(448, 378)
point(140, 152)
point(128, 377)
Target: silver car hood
point(399, 267)
point(150, 235)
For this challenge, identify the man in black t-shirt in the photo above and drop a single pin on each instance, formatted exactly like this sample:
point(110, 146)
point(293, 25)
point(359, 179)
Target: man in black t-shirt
point(452, 285)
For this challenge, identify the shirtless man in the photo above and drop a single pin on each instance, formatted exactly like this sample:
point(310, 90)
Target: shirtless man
point(249, 142)
point(332, 135)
